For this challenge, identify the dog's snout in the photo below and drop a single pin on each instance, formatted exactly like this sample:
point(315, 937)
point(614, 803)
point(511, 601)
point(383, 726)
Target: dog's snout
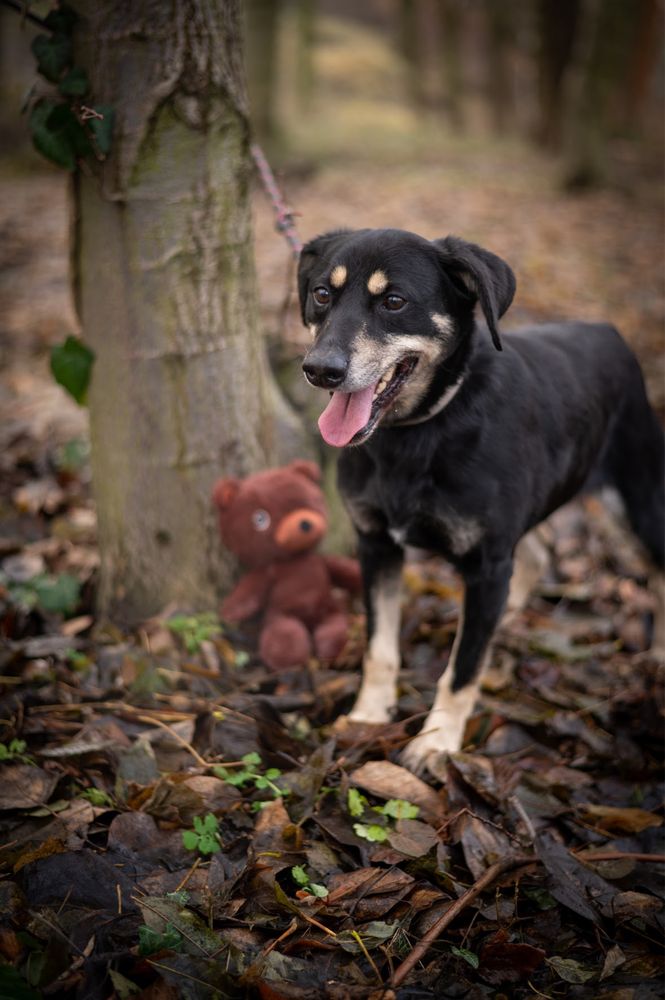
point(326, 369)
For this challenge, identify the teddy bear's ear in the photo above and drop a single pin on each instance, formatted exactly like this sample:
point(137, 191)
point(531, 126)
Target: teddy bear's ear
point(304, 468)
point(225, 491)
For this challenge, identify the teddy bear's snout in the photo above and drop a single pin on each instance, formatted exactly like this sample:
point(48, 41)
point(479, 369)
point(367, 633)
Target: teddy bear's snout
point(300, 530)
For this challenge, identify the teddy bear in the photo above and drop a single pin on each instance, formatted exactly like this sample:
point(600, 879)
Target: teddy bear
point(272, 522)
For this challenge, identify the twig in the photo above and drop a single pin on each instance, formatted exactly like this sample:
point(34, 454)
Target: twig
point(287, 933)
point(176, 736)
point(490, 875)
point(590, 855)
point(183, 881)
point(356, 935)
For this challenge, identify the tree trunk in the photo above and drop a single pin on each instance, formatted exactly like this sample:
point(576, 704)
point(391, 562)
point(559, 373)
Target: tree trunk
point(450, 24)
point(557, 30)
point(164, 283)
point(501, 25)
point(604, 75)
point(409, 42)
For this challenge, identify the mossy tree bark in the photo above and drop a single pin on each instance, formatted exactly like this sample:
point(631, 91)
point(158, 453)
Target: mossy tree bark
point(164, 282)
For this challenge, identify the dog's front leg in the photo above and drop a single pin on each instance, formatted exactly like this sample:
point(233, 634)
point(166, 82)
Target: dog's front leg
point(457, 689)
point(381, 563)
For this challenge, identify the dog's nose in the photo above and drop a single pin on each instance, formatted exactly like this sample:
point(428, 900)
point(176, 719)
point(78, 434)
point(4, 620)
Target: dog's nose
point(326, 370)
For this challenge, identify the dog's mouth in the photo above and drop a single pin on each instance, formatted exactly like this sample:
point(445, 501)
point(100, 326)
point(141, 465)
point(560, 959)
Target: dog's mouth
point(350, 417)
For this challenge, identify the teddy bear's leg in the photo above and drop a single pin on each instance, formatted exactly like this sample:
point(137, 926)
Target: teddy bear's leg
point(330, 636)
point(284, 643)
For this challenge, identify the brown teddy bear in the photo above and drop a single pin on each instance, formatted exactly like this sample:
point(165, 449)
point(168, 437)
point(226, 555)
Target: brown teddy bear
point(272, 522)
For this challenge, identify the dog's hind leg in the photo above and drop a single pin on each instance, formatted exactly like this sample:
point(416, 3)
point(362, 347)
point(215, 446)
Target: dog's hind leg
point(457, 689)
point(381, 561)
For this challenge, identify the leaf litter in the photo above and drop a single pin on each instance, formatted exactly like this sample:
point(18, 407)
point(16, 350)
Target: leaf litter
point(176, 821)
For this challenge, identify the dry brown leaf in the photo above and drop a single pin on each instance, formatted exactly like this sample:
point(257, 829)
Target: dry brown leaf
point(615, 820)
point(390, 781)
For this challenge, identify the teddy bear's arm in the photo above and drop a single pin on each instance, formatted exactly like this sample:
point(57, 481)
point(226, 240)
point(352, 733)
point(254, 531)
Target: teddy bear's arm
point(247, 597)
point(344, 572)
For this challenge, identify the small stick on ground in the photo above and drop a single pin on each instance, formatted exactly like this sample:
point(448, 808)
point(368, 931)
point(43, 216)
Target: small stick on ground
point(486, 879)
point(176, 736)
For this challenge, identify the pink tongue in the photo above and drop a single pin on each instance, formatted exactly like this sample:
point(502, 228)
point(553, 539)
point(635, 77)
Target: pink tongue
point(345, 415)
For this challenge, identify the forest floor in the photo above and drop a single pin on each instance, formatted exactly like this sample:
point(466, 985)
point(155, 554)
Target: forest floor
point(175, 821)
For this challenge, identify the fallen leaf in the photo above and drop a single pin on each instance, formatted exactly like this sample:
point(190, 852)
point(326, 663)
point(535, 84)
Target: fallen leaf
point(504, 961)
point(615, 820)
point(569, 970)
point(390, 781)
point(572, 883)
point(24, 786)
point(613, 959)
point(413, 838)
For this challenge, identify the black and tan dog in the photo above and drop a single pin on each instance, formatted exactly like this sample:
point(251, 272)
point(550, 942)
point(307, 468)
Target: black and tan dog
point(453, 447)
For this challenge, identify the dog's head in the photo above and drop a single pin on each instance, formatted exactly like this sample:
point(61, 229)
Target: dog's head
point(386, 308)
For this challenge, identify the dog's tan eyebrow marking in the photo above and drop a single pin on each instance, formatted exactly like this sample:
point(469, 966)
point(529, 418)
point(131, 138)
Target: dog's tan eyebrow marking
point(338, 276)
point(444, 324)
point(377, 283)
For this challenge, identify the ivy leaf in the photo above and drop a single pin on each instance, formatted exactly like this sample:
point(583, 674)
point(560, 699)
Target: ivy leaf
point(61, 20)
point(468, 956)
point(102, 128)
point(318, 890)
point(251, 759)
point(54, 144)
point(71, 365)
point(377, 834)
point(59, 594)
point(75, 84)
point(53, 54)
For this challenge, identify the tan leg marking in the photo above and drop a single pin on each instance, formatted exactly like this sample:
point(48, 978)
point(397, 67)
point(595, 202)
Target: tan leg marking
point(378, 690)
point(443, 729)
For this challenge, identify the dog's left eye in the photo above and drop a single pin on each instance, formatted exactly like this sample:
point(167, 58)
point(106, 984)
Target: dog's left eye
point(321, 295)
point(394, 302)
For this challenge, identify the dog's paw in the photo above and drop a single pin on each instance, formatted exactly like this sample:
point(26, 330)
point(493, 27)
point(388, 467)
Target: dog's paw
point(428, 752)
point(374, 705)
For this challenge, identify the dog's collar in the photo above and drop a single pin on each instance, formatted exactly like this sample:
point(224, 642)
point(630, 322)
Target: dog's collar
point(435, 408)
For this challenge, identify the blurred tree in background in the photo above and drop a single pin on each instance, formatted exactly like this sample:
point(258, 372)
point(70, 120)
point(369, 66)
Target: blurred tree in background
point(571, 75)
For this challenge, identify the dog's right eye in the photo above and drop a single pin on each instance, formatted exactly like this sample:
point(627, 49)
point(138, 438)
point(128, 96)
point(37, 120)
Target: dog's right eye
point(321, 296)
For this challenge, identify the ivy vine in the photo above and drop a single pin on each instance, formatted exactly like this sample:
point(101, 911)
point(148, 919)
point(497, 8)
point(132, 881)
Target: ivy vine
point(65, 125)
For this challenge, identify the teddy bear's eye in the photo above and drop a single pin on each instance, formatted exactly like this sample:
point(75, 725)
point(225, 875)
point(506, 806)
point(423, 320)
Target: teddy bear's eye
point(261, 520)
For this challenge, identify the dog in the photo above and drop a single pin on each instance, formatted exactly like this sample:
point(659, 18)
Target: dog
point(460, 440)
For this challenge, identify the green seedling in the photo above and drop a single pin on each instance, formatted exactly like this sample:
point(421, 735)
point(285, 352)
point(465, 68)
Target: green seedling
point(151, 941)
point(15, 750)
point(97, 797)
point(204, 838)
point(249, 775)
point(392, 810)
point(469, 956)
point(300, 876)
point(195, 629)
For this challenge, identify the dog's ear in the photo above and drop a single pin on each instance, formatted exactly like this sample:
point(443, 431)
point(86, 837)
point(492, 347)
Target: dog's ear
point(484, 275)
point(321, 246)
